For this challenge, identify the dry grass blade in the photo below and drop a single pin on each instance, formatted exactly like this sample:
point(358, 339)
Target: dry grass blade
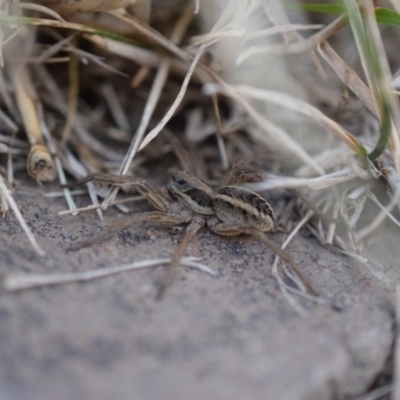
point(262, 237)
point(66, 191)
point(286, 288)
point(158, 84)
point(10, 200)
point(333, 224)
point(114, 105)
point(282, 285)
point(348, 76)
point(320, 182)
point(55, 48)
point(85, 6)
point(220, 140)
point(23, 281)
point(97, 206)
point(208, 37)
point(141, 56)
point(378, 220)
point(283, 29)
point(129, 51)
point(275, 132)
point(155, 131)
point(215, 36)
point(53, 150)
point(142, 9)
point(197, 6)
point(78, 170)
point(73, 93)
point(42, 9)
point(9, 40)
point(8, 121)
point(154, 95)
point(384, 209)
point(153, 35)
point(50, 22)
point(296, 47)
point(293, 104)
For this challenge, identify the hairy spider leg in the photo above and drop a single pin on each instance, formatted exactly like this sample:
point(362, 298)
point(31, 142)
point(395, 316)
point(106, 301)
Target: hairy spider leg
point(155, 198)
point(191, 230)
point(224, 229)
point(153, 216)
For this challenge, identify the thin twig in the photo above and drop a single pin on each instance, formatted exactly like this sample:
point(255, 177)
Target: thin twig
point(10, 200)
point(22, 281)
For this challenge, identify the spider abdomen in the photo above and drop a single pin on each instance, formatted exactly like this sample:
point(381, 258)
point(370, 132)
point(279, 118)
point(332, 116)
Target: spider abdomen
point(240, 206)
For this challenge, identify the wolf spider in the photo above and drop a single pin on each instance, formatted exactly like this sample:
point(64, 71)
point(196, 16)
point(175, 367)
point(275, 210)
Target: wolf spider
point(228, 210)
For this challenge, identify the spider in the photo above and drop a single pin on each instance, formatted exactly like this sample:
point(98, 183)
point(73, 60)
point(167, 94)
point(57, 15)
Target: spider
point(228, 210)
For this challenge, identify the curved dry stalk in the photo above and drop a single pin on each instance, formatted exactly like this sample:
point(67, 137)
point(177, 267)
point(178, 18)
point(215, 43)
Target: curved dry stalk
point(40, 163)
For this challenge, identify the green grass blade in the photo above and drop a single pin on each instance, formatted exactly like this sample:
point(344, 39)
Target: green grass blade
point(332, 8)
point(384, 134)
point(383, 15)
point(387, 16)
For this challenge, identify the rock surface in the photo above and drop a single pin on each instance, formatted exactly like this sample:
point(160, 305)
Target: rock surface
point(232, 336)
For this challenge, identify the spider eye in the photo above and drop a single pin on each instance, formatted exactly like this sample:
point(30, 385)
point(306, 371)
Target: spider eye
point(179, 180)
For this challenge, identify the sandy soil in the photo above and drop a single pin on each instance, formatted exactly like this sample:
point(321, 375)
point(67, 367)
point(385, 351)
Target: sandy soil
point(232, 336)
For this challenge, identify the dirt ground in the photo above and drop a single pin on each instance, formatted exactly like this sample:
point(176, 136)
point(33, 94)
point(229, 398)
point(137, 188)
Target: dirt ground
point(233, 336)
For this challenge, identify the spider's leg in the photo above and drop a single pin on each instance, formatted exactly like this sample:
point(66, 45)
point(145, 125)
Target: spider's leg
point(236, 174)
point(186, 156)
point(154, 216)
point(230, 174)
point(225, 229)
point(120, 180)
point(195, 225)
point(151, 194)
